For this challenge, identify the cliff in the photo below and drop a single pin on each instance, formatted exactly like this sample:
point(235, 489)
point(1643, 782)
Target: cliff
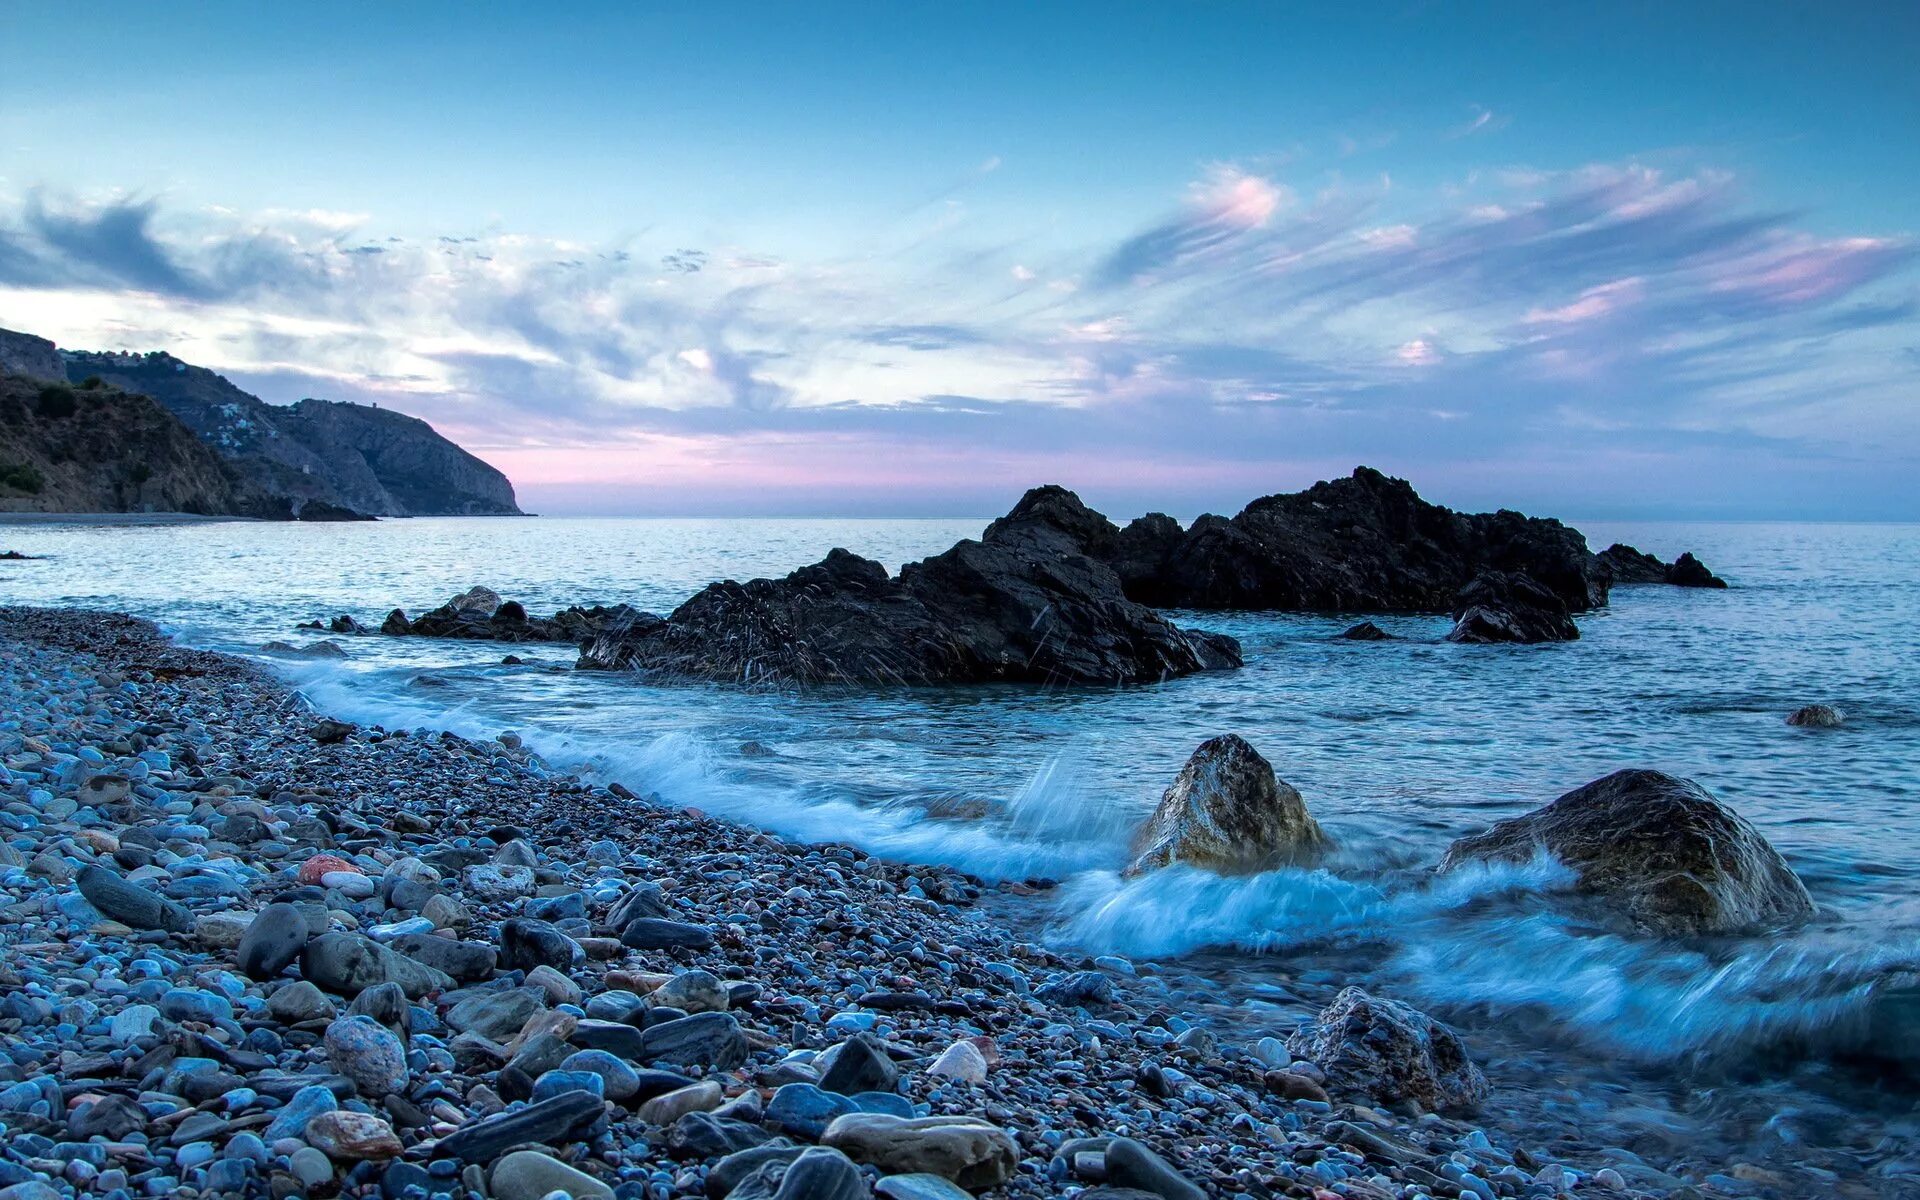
point(316, 456)
point(68, 449)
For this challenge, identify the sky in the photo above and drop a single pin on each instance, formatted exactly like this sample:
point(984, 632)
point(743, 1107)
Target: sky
point(1622, 260)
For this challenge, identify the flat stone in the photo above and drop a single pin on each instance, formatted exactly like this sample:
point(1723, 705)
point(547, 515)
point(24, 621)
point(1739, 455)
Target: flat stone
point(653, 933)
point(712, 1040)
point(348, 964)
point(1132, 1165)
point(549, 1122)
point(691, 992)
point(699, 1097)
point(496, 1015)
point(352, 1136)
point(468, 962)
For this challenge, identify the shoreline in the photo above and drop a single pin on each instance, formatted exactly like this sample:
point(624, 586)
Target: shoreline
point(94, 518)
point(802, 947)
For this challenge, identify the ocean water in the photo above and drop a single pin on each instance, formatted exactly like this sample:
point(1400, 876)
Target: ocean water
point(1789, 1049)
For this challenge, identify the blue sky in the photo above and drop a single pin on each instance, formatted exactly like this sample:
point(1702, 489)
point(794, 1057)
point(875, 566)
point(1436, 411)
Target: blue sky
point(1605, 260)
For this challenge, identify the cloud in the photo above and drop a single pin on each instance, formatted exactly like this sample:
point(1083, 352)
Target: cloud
point(1615, 311)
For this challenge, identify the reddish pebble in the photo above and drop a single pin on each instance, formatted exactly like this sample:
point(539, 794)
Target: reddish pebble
point(312, 869)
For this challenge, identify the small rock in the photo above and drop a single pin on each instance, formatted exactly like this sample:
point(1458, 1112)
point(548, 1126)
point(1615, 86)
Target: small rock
point(966, 1150)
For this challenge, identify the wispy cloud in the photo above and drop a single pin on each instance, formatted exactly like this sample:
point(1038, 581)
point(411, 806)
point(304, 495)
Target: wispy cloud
point(1617, 311)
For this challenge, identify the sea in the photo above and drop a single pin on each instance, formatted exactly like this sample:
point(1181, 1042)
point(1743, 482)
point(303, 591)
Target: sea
point(1789, 1059)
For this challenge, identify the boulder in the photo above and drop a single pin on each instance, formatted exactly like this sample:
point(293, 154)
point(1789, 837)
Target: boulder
point(1390, 1053)
point(1657, 853)
point(967, 1150)
point(1816, 716)
point(1500, 607)
point(1226, 811)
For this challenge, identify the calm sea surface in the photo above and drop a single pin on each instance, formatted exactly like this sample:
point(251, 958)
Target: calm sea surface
point(1780, 1050)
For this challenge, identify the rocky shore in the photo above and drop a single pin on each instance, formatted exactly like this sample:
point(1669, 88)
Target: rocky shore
point(250, 950)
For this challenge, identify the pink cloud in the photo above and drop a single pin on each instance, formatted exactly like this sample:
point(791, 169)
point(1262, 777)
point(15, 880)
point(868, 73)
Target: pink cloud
point(1592, 304)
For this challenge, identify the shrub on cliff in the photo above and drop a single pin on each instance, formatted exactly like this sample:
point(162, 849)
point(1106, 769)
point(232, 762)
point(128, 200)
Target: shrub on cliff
point(57, 400)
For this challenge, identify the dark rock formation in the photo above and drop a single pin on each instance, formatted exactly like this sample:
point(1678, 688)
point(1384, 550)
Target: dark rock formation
point(1366, 543)
point(1022, 604)
point(1228, 812)
point(1366, 631)
point(1657, 853)
point(315, 459)
point(479, 614)
point(1390, 1053)
point(1816, 716)
point(1688, 571)
point(1498, 607)
point(1624, 564)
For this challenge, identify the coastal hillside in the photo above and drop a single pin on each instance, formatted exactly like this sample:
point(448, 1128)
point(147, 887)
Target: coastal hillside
point(100, 449)
point(333, 455)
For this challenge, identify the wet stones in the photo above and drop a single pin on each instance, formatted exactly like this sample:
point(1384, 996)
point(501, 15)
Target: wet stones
point(131, 904)
point(1390, 1052)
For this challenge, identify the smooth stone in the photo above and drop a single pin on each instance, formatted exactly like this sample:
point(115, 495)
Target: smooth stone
point(967, 1150)
point(920, 1187)
point(665, 1110)
point(691, 992)
point(496, 1015)
point(654, 933)
point(817, 1174)
point(713, 1040)
point(299, 1001)
point(348, 964)
point(272, 941)
point(620, 1081)
point(1132, 1165)
point(311, 1167)
point(531, 1175)
point(805, 1111)
point(548, 1122)
point(962, 1061)
point(368, 1053)
point(468, 962)
point(292, 1119)
point(526, 944)
point(352, 1136)
point(131, 904)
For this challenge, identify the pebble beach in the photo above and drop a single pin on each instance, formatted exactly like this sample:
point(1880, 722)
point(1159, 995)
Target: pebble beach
point(252, 951)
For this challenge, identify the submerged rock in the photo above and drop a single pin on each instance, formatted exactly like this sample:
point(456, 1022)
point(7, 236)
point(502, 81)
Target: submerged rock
point(1227, 811)
point(1023, 604)
point(1389, 1052)
point(1366, 631)
point(1498, 607)
point(1657, 851)
point(1816, 716)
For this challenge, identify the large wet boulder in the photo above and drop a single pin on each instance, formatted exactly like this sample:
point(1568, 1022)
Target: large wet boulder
point(1227, 811)
point(1390, 1053)
point(1499, 607)
point(1656, 852)
point(1023, 604)
point(1366, 543)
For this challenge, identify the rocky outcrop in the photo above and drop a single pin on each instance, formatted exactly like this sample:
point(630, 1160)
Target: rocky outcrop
point(67, 449)
point(1227, 811)
point(1499, 607)
point(29, 357)
point(1366, 543)
point(1624, 564)
point(479, 614)
point(331, 458)
point(1656, 854)
point(1816, 716)
point(1390, 1053)
point(1024, 604)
